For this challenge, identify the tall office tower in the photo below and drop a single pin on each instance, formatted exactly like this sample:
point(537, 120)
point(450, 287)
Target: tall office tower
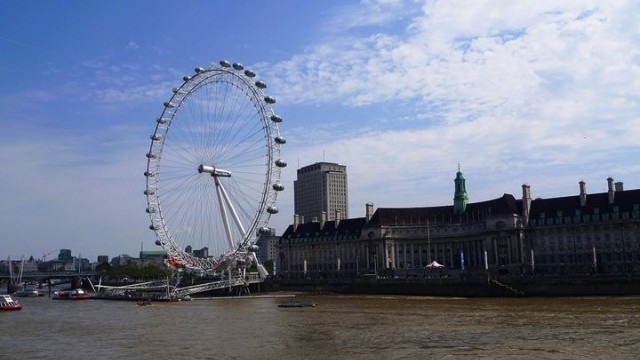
point(321, 187)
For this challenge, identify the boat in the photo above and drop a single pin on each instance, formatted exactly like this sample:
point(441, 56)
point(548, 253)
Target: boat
point(7, 303)
point(76, 294)
point(297, 304)
point(27, 293)
point(145, 303)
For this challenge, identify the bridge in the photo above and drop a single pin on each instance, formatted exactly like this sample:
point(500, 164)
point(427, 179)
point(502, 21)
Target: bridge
point(164, 290)
point(159, 289)
point(63, 277)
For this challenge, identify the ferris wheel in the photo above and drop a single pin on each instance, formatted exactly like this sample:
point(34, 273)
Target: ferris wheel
point(213, 169)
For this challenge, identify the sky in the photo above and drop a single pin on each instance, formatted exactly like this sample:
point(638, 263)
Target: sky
point(545, 93)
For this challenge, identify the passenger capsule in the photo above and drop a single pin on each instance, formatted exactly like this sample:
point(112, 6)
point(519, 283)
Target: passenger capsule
point(148, 174)
point(149, 192)
point(238, 66)
point(178, 91)
point(225, 63)
point(155, 137)
point(169, 104)
point(250, 73)
point(280, 140)
point(264, 231)
point(151, 210)
point(199, 70)
point(151, 156)
point(269, 100)
point(261, 84)
point(278, 187)
point(158, 243)
point(253, 248)
point(281, 163)
point(276, 119)
point(272, 210)
point(154, 227)
point(186, 78)
point(161, 120)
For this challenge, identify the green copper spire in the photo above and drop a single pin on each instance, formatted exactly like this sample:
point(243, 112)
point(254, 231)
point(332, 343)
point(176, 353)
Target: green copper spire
point(460, 197)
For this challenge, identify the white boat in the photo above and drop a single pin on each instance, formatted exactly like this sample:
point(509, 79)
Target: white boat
point(27, 293)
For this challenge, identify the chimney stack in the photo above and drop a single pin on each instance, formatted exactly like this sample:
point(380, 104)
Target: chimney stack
point(619, 186)
point(612, 191)
point(583, 193)
point(368, 211)
point(337, 218)
point(323, 219)
point(526, 202)
point(296, 221)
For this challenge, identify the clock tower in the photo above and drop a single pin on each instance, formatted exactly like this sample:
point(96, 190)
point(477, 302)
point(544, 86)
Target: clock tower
point(460, 198)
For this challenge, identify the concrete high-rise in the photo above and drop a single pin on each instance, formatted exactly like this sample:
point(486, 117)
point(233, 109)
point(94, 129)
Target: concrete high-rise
point(321, 190)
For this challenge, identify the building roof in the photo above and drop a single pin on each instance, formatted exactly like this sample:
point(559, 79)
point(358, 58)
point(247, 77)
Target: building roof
point(351, 226)
point(152, 253)
point(416, 216)
point(623, 200)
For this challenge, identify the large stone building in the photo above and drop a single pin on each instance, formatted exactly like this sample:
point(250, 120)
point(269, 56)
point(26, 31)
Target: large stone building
point(321, 190)
point(581, 234)
point(585, 233)
point(267, 245)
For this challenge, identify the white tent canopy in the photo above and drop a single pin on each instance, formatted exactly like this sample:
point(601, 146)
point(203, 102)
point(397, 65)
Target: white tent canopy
point(434, 264)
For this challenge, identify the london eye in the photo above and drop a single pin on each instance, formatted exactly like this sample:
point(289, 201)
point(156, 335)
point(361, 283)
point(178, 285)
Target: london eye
point(213, 169)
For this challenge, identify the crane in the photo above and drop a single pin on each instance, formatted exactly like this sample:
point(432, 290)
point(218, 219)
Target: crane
point(44, 256)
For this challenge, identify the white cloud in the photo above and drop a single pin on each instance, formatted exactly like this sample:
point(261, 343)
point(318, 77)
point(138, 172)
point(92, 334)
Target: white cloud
point(132, 45)
point(436, 63)
point(516, 91)
point(539, 92)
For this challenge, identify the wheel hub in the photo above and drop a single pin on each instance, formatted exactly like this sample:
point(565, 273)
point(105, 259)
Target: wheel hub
point(210, 169)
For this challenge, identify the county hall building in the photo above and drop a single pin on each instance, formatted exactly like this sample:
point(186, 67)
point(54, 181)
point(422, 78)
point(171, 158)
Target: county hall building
point(579, 234)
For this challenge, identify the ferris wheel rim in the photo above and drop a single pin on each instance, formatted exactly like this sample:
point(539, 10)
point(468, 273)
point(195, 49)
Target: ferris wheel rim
point(243, 81)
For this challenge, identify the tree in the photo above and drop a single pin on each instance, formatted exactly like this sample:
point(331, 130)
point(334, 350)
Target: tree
point(103, 268)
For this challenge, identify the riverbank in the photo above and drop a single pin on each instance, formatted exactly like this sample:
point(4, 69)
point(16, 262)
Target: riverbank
point(480, 285)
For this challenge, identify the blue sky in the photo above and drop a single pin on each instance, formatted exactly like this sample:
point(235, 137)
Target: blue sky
point(401, 92)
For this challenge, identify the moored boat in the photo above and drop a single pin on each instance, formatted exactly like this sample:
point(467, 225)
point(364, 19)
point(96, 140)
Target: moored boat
point(7, 303)
point(76, 294)
point(297, 304)
point(27, 293)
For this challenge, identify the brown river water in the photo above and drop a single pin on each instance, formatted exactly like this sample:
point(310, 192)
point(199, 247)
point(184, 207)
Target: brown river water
point(339, 327)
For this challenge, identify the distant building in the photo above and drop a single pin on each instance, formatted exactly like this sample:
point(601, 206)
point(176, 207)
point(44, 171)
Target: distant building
point(65, 255)
point(103, 259)
point(202, 253)
point(155, 257)
point(580, 234)
point(321, 191)
point(267, 246)
point(121, 260)
point(153, 254)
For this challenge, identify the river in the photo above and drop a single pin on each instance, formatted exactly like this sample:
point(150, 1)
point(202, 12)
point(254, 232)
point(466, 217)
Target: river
point(339, 327)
